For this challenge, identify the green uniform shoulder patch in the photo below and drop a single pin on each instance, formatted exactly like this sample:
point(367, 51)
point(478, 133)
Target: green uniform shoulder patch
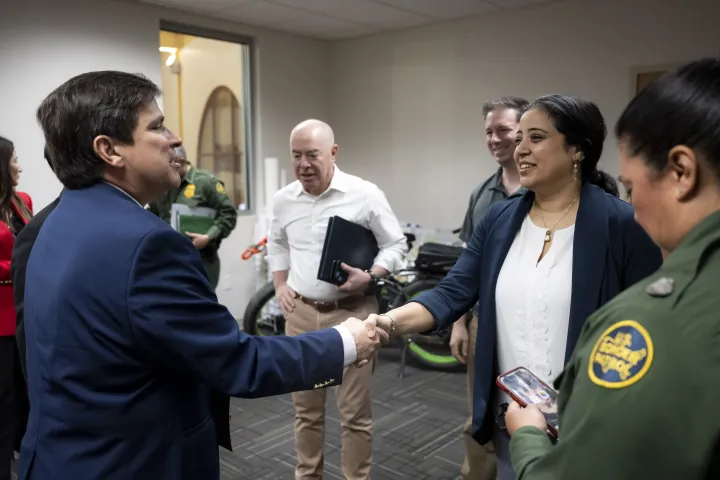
point(219, 187)
point(189, 191)
point(621, 356)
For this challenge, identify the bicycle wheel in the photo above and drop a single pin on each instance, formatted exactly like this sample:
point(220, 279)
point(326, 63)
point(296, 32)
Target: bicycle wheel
point(263, 315)
point(432, 351)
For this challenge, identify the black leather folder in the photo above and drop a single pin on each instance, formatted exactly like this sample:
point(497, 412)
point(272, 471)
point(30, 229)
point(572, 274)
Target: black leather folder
point(349, 243)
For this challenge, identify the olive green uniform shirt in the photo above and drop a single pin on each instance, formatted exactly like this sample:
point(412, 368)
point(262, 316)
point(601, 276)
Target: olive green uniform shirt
point(639, 398)
point(201, 189)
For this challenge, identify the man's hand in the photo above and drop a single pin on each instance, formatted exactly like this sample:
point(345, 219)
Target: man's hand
point(367, 336)
point(286, 297)
point(200, 240)
point(459, 341)
point(357, 281)
point(383, 322)
point(517, 417)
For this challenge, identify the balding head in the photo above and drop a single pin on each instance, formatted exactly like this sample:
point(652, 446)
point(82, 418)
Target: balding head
point(313, 148)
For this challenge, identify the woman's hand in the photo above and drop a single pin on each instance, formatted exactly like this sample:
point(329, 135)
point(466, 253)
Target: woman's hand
point(460, 341)
point(517, 417)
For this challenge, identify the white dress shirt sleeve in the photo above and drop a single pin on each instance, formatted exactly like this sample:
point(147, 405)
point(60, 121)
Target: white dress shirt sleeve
point(388, 233)
point(349, 346)
point(278, 248)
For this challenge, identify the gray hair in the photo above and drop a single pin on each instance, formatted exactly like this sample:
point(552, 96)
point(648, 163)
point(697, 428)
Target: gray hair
point(181, 151)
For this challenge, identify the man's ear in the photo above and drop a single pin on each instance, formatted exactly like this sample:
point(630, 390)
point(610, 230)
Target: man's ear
point(683, 165)
point(334, 150)
point(106, 150)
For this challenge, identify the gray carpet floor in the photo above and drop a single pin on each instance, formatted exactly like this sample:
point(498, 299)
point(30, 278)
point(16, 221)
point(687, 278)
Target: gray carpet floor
point(418, 422)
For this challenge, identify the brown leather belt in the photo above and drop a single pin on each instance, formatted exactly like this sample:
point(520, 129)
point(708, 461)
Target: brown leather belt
point(347, 303)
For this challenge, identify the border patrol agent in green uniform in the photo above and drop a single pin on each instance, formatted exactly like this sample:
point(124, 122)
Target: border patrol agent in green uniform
point(200, 188)
point(639, 397)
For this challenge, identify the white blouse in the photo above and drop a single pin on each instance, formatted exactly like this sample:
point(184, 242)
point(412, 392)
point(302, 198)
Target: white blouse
point(532, 302)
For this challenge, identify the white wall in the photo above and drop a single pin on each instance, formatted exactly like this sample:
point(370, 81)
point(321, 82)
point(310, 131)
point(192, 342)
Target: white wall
point(407, 105)
point(45, 42)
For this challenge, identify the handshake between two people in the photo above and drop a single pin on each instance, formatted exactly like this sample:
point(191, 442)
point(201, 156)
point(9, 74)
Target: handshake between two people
point(369, 335)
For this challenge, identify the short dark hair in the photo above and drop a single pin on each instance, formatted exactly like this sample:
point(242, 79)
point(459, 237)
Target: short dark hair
point(583, 126)
point(47, 154)
point(88, 105)
point(682, 107)
point(518, 104)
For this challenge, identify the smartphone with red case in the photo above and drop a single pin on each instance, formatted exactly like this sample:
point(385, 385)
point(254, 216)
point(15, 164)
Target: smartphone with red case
point(526, 388)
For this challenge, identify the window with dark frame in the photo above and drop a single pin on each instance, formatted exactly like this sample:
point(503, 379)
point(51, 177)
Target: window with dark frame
point(222, 123)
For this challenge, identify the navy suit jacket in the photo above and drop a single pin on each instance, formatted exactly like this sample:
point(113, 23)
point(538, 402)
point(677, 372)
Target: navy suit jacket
point(610, 253)
point(125, 338)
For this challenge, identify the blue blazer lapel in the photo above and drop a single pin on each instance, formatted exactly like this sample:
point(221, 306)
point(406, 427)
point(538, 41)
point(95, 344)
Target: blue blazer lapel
point(589, 259)
point(505, 230)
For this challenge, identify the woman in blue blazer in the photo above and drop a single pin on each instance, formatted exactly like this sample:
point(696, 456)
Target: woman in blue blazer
point(539, 264)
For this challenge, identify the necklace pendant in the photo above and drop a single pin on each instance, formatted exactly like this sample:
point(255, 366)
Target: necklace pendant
point(548, 236)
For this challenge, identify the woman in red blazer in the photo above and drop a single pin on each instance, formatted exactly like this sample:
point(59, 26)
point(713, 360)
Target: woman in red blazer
point(15, 212)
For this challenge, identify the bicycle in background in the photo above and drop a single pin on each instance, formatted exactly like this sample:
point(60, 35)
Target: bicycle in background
point(264, 316)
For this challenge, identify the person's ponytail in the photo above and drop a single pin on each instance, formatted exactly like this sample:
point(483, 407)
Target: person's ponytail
point(604, 181)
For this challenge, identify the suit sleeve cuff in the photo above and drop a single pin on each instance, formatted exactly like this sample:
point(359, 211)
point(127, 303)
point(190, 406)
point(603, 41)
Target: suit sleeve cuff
point(348, 344)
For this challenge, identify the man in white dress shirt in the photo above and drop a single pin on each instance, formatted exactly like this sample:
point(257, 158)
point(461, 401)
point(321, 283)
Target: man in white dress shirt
point(301, 212)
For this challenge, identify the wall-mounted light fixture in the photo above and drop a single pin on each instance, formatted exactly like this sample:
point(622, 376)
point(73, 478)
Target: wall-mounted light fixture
point(173, 55)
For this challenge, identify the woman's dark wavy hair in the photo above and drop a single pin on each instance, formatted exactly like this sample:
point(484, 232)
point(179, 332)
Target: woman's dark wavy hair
point(7, 190)
point(583, 126)
point(682, 107)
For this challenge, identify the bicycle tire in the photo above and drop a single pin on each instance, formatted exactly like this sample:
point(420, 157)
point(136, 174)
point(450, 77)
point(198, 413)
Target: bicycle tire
point(254, 308)
point(436, 361)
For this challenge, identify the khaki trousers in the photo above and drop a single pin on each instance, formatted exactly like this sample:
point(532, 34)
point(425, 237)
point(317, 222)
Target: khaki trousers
point(354, 402)
point(479, 463)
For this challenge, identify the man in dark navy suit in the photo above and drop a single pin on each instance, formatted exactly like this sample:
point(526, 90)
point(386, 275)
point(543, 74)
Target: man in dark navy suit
point(124, 334)
point(220, 403)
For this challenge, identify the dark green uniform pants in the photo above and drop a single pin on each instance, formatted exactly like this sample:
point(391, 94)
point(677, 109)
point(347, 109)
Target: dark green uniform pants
point(212, 268)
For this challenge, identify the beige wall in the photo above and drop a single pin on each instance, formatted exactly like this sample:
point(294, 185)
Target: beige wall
point(206, 64)
point(406, 106)
point(45, 42)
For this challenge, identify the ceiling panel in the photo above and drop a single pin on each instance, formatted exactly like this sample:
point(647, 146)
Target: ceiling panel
point(443, 9)
point(262, 14)
point(325, 27)
point(359, 11)
point(341, 19)
point(518, 3)
point(205, 6)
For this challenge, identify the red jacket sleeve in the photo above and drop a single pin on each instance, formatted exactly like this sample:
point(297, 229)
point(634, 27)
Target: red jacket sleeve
point(26, 198)
point(7, 243)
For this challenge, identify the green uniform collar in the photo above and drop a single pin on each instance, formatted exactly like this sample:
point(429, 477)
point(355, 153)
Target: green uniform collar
point(691, 249)
point(189, 176)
